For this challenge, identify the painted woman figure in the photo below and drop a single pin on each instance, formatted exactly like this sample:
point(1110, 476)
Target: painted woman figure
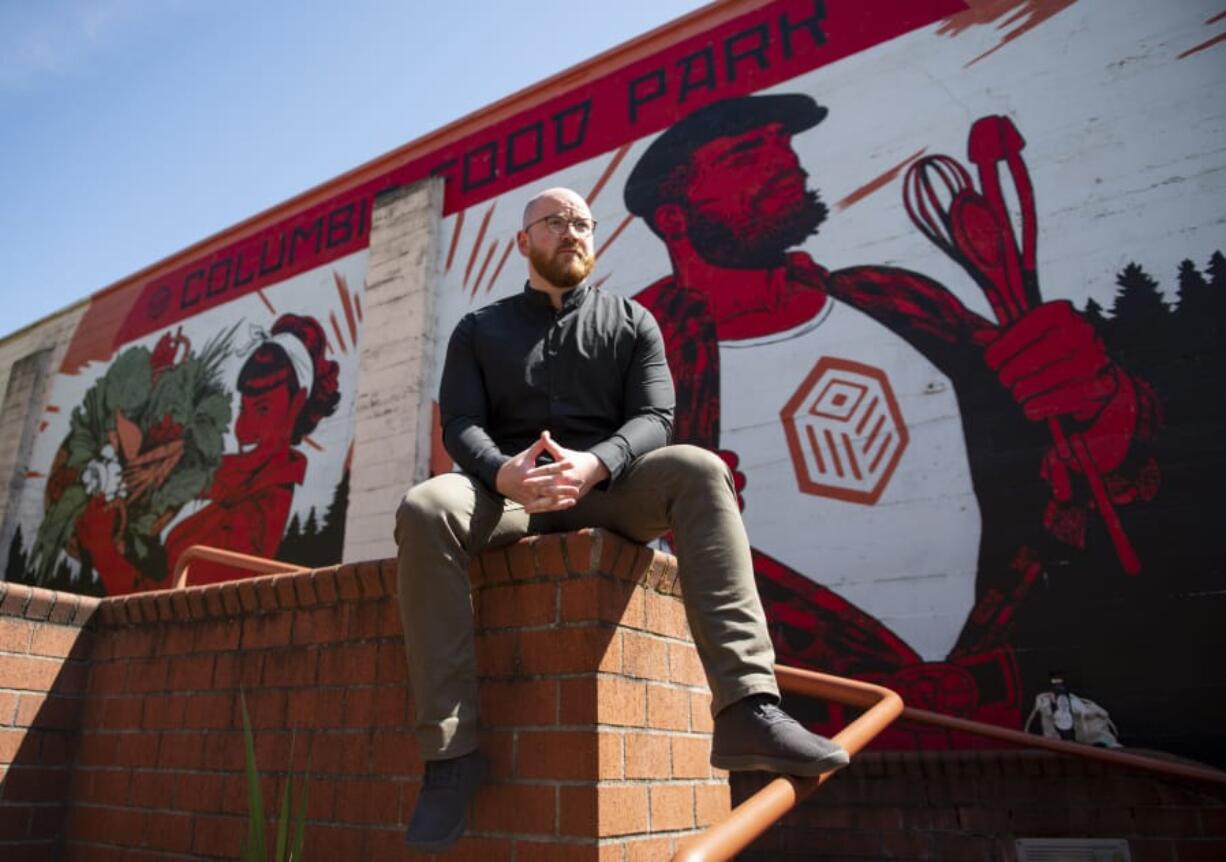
point(286, 386)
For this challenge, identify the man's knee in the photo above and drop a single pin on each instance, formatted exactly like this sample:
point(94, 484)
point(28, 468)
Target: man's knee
point(690, 470)
point(696, 461)
point(426, 503)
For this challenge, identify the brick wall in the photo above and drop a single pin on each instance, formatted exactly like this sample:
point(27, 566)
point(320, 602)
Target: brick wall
point(44, 652)
point(596, 713)
point(161, 752)
point(616, 702)
point(972, 806)
point(120, 730)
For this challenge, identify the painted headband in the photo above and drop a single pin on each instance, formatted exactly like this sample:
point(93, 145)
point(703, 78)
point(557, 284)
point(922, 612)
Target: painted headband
point(299, 357)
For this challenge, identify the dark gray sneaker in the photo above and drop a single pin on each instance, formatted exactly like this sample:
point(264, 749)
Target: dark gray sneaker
point(754, 733)
point(441, 815)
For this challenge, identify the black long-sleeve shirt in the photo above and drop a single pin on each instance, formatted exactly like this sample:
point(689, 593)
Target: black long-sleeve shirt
point(593, 374)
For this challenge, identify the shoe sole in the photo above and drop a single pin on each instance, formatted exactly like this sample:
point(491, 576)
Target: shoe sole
point(763, 763)
point(443, 843)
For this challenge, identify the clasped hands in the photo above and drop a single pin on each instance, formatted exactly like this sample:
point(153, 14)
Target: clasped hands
point(549, 487)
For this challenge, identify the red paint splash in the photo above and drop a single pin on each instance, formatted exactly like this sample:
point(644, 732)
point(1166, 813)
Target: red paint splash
point(608, 172)
point(489, 285)
point(337, 329)
point(1208, 43)
point(455, 238)
point(342, 289)
point(485, 264)
point(267, 304)
point(1022, 15)
point(879, 182)
point(478, 243)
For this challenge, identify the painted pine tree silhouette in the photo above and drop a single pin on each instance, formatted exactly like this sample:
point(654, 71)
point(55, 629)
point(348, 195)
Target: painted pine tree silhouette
point(1138, 298)
point(1217, 290)
point(1193, 291)
point(1217, 270)
point(1174, 347)
point(15, 568)
point(1139, 328)
point(319, 541)
point(1199, 317)
point(1094, 313)
point(331, 540)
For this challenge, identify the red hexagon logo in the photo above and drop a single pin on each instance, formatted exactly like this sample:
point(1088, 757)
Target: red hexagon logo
point(845, 431)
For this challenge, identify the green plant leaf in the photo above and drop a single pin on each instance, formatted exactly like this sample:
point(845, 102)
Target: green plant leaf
point(172, 396)
point(53, 532)
point(216, 407)
point(81, 450)
point(295, 848)
point(139, 546)
point(208, 424)
point(184, 484)
point(278, 853)
point(88, 429)
point(143, 526)
point(254, 848)
point(127, 381)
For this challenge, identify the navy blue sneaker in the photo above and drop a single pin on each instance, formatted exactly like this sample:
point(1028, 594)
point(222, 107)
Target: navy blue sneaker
point(441, 815)
point(754, 733)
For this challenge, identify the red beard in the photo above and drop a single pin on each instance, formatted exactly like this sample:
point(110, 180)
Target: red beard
point(561, 269)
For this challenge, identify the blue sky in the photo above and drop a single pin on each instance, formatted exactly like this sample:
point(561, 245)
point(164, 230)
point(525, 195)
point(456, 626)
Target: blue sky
point(130, 129)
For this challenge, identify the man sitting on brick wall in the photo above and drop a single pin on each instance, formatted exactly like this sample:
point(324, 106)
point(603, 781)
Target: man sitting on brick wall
point(557, 404)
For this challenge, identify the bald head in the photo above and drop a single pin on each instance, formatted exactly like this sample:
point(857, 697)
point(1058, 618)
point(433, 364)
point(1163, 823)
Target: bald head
point(556, 200)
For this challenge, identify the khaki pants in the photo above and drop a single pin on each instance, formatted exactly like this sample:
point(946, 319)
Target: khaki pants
point(445, 521)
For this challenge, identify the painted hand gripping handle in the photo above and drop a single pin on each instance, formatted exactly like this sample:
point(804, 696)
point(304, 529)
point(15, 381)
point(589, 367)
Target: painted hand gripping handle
point(976, 231)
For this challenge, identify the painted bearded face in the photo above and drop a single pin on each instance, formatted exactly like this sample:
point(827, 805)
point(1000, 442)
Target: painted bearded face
point(747, 203)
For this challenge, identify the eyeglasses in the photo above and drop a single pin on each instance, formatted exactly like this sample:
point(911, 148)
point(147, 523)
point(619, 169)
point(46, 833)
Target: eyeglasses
point(559, 224)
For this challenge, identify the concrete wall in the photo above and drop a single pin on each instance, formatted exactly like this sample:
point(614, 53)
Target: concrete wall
point(26, 357)
point(395, 392)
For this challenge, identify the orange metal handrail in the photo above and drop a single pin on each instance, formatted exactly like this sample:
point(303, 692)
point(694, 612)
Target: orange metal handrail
point(756, 814)
point(246, 562)
point(1080, 749)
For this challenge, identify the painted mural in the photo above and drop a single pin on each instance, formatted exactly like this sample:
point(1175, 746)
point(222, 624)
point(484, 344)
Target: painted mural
point(230, 428)
point(941, 281)
point(910, 298)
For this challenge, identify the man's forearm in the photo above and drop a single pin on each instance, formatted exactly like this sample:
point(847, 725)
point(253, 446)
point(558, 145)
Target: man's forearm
point(474, 450)
point(638, 436)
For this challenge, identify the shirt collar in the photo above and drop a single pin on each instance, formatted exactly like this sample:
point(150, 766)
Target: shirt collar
point(571, 299)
